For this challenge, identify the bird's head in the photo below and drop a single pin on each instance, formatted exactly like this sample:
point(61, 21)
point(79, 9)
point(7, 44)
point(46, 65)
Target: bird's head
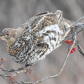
point(9, 35)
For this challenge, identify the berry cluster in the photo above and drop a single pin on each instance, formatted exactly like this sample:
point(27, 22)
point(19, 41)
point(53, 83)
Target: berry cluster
point(70, 42)
point(74, 49)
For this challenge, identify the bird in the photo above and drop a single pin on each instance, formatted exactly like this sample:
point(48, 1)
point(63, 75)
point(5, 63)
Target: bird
point(37, 37)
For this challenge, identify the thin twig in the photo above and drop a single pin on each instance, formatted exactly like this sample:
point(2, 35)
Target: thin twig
point(15, 70)
point(76, 24)
point(76, 32)
point(8, 75)
point(79, 48)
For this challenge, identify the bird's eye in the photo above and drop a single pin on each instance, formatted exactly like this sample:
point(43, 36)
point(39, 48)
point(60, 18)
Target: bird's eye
point(7, 34)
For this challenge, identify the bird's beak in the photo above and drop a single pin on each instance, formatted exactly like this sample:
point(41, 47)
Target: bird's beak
point(2, 38)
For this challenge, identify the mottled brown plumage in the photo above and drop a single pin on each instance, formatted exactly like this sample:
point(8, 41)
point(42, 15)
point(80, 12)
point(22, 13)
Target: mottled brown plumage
point(36, 38)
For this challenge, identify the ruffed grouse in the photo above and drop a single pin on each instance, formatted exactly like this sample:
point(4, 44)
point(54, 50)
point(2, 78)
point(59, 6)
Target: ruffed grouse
point(36, 38)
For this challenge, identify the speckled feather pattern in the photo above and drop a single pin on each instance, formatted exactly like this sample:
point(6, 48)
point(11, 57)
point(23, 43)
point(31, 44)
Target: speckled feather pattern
point(41, 34)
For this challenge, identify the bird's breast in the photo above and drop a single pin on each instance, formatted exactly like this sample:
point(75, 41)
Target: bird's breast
point(15, 49)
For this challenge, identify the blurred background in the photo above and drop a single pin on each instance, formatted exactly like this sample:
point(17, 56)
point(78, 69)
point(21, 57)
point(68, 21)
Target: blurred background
point(15, 12)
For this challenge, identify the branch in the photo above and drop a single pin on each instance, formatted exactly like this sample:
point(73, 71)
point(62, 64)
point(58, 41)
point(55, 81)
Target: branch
point(79, 48)
point(77, 23)
point(15, 70)
point(76, 32)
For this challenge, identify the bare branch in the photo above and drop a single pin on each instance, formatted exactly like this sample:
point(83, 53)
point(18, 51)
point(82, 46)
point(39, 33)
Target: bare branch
point(79, 48)
point(76, 32)
point(77, 23)
point(15, 70)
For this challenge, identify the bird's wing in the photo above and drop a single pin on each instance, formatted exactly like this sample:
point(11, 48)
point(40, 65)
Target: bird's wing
point(40, 36)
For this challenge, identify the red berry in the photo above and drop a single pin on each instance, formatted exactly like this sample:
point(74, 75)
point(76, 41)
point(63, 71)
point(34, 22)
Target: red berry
point(65, 41)
point(74, 48)
point(72, 51)
point(70, 43)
